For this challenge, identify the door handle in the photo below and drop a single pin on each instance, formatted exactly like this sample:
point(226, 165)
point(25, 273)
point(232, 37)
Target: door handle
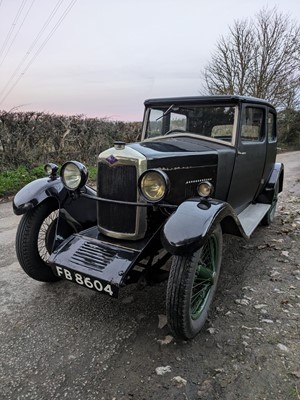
point(241, 153)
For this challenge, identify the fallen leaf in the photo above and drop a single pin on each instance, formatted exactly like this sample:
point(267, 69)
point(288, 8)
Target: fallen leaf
point(278, 240)
point(163, 370)
point(219, 370)
point(274, 273)
point(282, 347)
point(260, 306)
point(251, 328)
point(262, 246)
point(178, 381)
point(167, 340)
point(285, 253)
point(211, 330)
point(296, 373)
point(284, 302)
point(243, 302)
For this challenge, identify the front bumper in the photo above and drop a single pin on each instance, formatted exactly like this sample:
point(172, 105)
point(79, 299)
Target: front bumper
point(94, 263)
point(101, 263)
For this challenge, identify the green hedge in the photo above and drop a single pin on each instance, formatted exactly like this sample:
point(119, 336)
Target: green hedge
point(34, 138)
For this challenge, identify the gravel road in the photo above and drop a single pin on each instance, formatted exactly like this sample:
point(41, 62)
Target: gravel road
point(60, 341)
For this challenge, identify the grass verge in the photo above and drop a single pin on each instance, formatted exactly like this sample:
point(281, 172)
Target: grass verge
point(13, 180)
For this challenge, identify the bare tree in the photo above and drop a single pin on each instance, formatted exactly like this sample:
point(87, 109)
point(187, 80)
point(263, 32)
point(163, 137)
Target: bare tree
point(259, 57)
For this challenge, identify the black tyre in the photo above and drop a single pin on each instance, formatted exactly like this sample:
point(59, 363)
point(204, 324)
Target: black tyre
point(191, 287)
point(35, 236)
point(269, 217)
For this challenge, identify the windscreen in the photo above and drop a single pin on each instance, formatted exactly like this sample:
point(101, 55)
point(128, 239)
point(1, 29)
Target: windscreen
point(206, 120)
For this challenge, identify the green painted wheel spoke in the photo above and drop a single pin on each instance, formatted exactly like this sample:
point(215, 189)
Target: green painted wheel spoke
point(201, 281)
point(204, 285)
point(201, 291)
point(204, 277)
point(204, 273)
point(198, 300)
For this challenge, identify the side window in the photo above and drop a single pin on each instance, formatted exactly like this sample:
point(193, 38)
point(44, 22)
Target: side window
point(271, 127)
point(252, 124)
point(154, 127)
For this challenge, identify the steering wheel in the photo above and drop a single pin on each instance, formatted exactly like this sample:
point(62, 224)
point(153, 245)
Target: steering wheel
point(175, 130)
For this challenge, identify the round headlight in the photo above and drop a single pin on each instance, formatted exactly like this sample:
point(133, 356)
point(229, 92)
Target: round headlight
point(74, 175)
point(205, 189)
point(51, 169)
point(154, 185)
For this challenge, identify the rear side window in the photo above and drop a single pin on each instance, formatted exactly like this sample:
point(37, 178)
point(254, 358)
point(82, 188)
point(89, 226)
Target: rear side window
point(271, 127)
point(252, 124)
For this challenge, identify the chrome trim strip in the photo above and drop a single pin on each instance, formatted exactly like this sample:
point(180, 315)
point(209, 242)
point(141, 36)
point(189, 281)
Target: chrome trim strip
point(235, 125)
point(129, 203)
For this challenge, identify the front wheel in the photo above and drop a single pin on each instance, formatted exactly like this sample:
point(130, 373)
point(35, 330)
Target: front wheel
point(34, 240)
point(191, 287)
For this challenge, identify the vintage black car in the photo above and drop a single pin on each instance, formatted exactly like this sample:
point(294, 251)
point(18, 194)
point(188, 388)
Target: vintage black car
point(205, 166)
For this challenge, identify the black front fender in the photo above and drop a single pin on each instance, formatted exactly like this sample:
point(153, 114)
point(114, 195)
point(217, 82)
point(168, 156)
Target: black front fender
point(78, 210)
point(37, 191)
point(187, 228)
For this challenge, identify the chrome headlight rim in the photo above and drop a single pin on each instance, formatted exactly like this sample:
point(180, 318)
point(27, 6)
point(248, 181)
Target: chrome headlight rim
point(51, 169)
point(205, 189)
point(80, 177)
point(164, 179)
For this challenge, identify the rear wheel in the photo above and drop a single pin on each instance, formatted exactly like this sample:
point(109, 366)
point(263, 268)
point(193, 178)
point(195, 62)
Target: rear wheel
point(34, 240)
point(191, 287)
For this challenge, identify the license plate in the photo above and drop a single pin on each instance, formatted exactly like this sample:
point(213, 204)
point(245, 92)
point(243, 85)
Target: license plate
point(86, 281)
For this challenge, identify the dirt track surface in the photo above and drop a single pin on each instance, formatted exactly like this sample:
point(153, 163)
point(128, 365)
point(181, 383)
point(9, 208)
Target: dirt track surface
point(60, 341)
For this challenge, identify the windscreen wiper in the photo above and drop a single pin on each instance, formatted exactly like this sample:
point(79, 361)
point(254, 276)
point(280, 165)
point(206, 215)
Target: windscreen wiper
point(166, 112)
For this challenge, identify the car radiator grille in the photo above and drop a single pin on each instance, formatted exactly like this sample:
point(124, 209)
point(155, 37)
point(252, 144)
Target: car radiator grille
point(118, 182)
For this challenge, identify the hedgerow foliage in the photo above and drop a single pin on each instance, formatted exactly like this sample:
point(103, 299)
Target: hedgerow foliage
point(34, 138)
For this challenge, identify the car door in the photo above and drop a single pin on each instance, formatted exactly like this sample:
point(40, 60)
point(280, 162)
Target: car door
point(250, 158)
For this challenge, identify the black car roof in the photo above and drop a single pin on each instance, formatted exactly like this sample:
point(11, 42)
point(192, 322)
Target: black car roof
point(233, 99)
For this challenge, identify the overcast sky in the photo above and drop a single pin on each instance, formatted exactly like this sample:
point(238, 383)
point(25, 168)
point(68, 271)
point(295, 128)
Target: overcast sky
point(107, 56)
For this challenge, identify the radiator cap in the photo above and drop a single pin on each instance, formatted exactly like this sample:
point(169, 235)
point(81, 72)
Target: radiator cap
point(119, 145)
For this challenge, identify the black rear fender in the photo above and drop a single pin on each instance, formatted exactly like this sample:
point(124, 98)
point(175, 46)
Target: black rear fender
point(275, 179)
point(188, 227)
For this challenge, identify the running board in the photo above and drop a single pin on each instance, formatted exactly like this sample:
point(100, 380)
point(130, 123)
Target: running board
point(251, 216)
